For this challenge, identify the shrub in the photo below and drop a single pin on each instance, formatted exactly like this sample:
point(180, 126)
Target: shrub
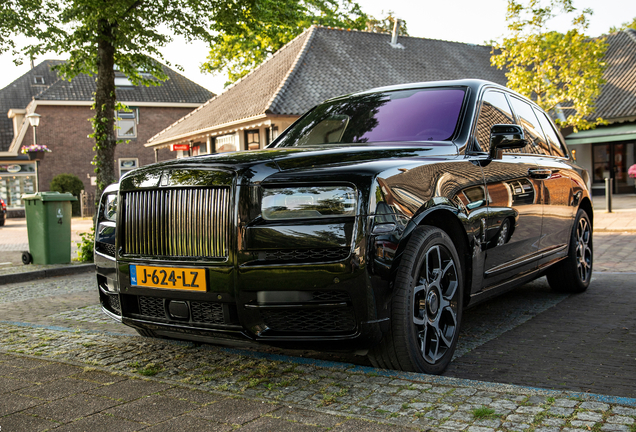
point(85, 247)
point(68, 183)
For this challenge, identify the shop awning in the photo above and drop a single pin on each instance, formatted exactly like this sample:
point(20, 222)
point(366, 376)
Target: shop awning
point(603, 134)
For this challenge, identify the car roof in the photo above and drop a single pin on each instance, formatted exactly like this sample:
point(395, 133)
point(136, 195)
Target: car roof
point(474, 84)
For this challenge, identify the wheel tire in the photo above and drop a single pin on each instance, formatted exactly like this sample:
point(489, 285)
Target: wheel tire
point(26, 258)
point(573, 274)
point(426, 306)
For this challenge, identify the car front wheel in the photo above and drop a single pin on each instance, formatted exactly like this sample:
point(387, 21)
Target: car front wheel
point(426, 306)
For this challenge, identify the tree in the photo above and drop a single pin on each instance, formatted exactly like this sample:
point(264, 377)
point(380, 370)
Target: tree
point(563, 73)
point(239, 53)
point(103, 35)
point(624, 26)
point(68, 183)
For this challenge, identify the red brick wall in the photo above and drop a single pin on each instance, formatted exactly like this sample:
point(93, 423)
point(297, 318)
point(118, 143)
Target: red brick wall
point(65, 130)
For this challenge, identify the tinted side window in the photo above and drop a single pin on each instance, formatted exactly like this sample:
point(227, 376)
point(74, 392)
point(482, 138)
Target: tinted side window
point(531, 127)
point(550, 134)
point(494, 110)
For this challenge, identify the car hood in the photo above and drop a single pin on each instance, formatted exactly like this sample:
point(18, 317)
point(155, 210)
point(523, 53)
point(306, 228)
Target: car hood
point(260, 163)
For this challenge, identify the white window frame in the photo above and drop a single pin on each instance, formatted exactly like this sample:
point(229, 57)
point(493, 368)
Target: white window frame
point(123, 169)
point(135, 120)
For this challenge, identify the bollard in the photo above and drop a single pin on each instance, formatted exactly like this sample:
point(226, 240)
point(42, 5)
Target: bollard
point(608, 194)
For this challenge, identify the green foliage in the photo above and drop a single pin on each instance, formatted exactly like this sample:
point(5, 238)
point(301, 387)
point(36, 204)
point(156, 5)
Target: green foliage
point(68, 183)
point(562, 73)
point(238, 53)
point(128, 35)
point(484, 413)
point(85, 247)
point(385, 25)
point(624, 26)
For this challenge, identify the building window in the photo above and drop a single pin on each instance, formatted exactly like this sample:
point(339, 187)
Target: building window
point(122, 81)
point(127, 164)
point(252, 140)
point(126, 124)
point(271, 133)
point(38, 79)
point(226, 143)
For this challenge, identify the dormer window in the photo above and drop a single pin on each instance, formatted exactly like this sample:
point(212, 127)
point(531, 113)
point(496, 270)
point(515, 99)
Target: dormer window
point(38, 79)
point(122, 81)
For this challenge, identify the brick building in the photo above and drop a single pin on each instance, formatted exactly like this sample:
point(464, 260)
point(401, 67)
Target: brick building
point(65, 110)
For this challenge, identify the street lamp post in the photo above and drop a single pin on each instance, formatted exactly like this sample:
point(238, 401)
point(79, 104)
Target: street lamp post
point(34, 119)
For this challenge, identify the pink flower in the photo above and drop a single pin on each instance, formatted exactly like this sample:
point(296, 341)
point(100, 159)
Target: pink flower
point(632, 171)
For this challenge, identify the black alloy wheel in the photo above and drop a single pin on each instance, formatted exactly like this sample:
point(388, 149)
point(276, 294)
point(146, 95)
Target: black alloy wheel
point(573, 274)
point(426, 307)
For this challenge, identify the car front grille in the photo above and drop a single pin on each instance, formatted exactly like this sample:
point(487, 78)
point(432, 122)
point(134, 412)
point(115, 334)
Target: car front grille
point(309, 320)
point(152, 307)
point(200, 312)
point(304, 255)
point(208, 313)
point(105, 248)
point(187, 222)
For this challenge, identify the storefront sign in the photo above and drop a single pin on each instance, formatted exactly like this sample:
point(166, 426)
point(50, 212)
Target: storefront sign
point(175, 147)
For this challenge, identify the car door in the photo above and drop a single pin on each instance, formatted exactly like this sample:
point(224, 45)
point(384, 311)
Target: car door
point(559, 198)
point(514, 199)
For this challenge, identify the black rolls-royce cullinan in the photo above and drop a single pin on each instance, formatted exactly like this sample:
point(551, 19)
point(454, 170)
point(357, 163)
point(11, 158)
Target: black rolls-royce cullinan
point(367, 225)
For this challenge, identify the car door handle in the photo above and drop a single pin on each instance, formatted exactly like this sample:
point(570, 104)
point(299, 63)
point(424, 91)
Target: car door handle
point(539, 173)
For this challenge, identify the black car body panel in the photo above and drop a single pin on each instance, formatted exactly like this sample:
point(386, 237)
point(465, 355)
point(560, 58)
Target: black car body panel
point(326, 280)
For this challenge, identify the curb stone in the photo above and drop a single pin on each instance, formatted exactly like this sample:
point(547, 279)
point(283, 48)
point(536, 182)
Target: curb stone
point(45, 273)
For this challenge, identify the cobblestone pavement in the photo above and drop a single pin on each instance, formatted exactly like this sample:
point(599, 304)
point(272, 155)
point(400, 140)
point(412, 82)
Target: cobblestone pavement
point(186, 377)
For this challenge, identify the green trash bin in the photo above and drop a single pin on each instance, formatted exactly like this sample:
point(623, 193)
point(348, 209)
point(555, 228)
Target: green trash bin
point(48, 218)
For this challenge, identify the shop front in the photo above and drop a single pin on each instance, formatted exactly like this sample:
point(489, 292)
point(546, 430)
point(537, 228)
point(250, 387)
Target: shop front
point(607, 152)
point(16, 178)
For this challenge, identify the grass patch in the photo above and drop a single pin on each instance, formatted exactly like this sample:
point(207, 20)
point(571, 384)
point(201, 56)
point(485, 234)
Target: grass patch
point(150, 369)
point(484, 413)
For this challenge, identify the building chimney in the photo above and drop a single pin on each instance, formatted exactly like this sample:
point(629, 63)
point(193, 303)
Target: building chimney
point(396, 29)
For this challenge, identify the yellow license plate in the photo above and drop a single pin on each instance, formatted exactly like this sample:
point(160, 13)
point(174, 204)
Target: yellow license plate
point(190, 279)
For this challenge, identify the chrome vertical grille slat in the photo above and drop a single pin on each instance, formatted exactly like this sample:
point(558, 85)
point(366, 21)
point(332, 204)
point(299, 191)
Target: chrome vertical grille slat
point(181, 222)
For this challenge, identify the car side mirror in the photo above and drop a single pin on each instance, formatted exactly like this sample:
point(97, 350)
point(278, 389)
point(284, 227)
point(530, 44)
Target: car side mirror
point(505, 136)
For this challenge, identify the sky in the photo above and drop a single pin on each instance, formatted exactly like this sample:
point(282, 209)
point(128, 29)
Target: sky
point(466, 21)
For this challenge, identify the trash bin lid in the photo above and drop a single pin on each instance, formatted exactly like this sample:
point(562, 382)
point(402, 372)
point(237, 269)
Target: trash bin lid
point(50, 196)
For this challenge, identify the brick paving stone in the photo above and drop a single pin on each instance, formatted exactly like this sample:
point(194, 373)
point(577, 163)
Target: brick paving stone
point(15, 403)
point(100, 423)
point(594, 406)
point(24, 422)
point(616, 428)
point(620, 420)
point(129, 390)
point(189, 423)
point(454, 425)
point(72, 407)
point(279, 425)
point(60, 388)
point(224, 411)
point(152, 409)
point(565, 403)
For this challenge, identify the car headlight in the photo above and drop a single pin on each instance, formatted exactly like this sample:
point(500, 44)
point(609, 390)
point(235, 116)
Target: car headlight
point(110, 208)
point(308, 202)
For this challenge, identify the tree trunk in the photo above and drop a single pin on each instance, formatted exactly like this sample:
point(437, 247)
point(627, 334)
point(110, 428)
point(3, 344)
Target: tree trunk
point(105, 99)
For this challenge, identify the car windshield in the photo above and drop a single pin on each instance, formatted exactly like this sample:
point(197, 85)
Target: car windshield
point(398, 116)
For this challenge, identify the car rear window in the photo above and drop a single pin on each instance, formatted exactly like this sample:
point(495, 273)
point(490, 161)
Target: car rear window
point(399, 116)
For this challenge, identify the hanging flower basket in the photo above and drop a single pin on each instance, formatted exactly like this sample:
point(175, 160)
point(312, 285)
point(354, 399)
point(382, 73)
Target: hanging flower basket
point(35, 151)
